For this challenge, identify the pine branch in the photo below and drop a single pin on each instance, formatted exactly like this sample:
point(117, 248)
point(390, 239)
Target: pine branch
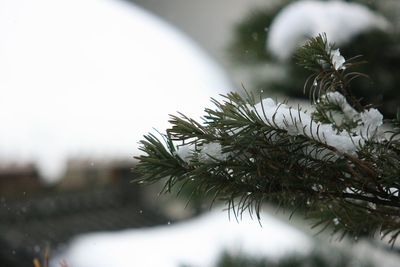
point(330, 70)
point(334, 165)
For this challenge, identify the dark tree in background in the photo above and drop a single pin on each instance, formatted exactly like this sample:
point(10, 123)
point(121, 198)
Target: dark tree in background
point(380, 48)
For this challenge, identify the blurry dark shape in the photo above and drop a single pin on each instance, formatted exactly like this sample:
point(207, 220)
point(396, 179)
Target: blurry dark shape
point(10, 258)
point(81, 173)
point(94, 196)
point(18, 179)
point(380, 48)
point(318, 258)
point(249, 46)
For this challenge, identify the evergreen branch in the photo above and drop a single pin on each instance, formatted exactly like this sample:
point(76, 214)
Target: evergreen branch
point(314, 55)
point(330, 74)
point(184, 128)
point(334, 166)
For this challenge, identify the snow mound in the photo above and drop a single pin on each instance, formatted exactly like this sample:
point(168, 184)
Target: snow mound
point(304, 19)
point(88, 78)
point(199, 242)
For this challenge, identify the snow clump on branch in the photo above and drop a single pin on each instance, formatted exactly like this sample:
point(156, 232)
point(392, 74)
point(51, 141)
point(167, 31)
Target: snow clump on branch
point(297, 122)
point(207, 152)
point(337, 60)
point(368, 121)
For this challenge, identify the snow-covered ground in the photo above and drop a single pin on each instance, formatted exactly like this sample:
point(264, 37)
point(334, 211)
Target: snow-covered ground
point(88, 78)
point(198, 243)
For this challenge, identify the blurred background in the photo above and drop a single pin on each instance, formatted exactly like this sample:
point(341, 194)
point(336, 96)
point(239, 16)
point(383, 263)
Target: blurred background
point(82, 81)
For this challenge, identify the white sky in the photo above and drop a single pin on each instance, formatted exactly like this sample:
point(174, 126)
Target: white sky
point(90, 77)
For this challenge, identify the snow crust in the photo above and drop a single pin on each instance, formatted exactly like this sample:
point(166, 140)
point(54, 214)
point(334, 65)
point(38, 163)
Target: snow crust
point(208, 152)
point(337, 59)
point(211, 151)
point(185, 152)
point(371, 121)
point(298, 122)
point(368, 121)
point(198, 243)
point(340, 100)
point(304, 19)
point(88, 78)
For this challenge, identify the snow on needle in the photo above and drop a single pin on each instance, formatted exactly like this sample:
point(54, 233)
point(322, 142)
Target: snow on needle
point(337, 59)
